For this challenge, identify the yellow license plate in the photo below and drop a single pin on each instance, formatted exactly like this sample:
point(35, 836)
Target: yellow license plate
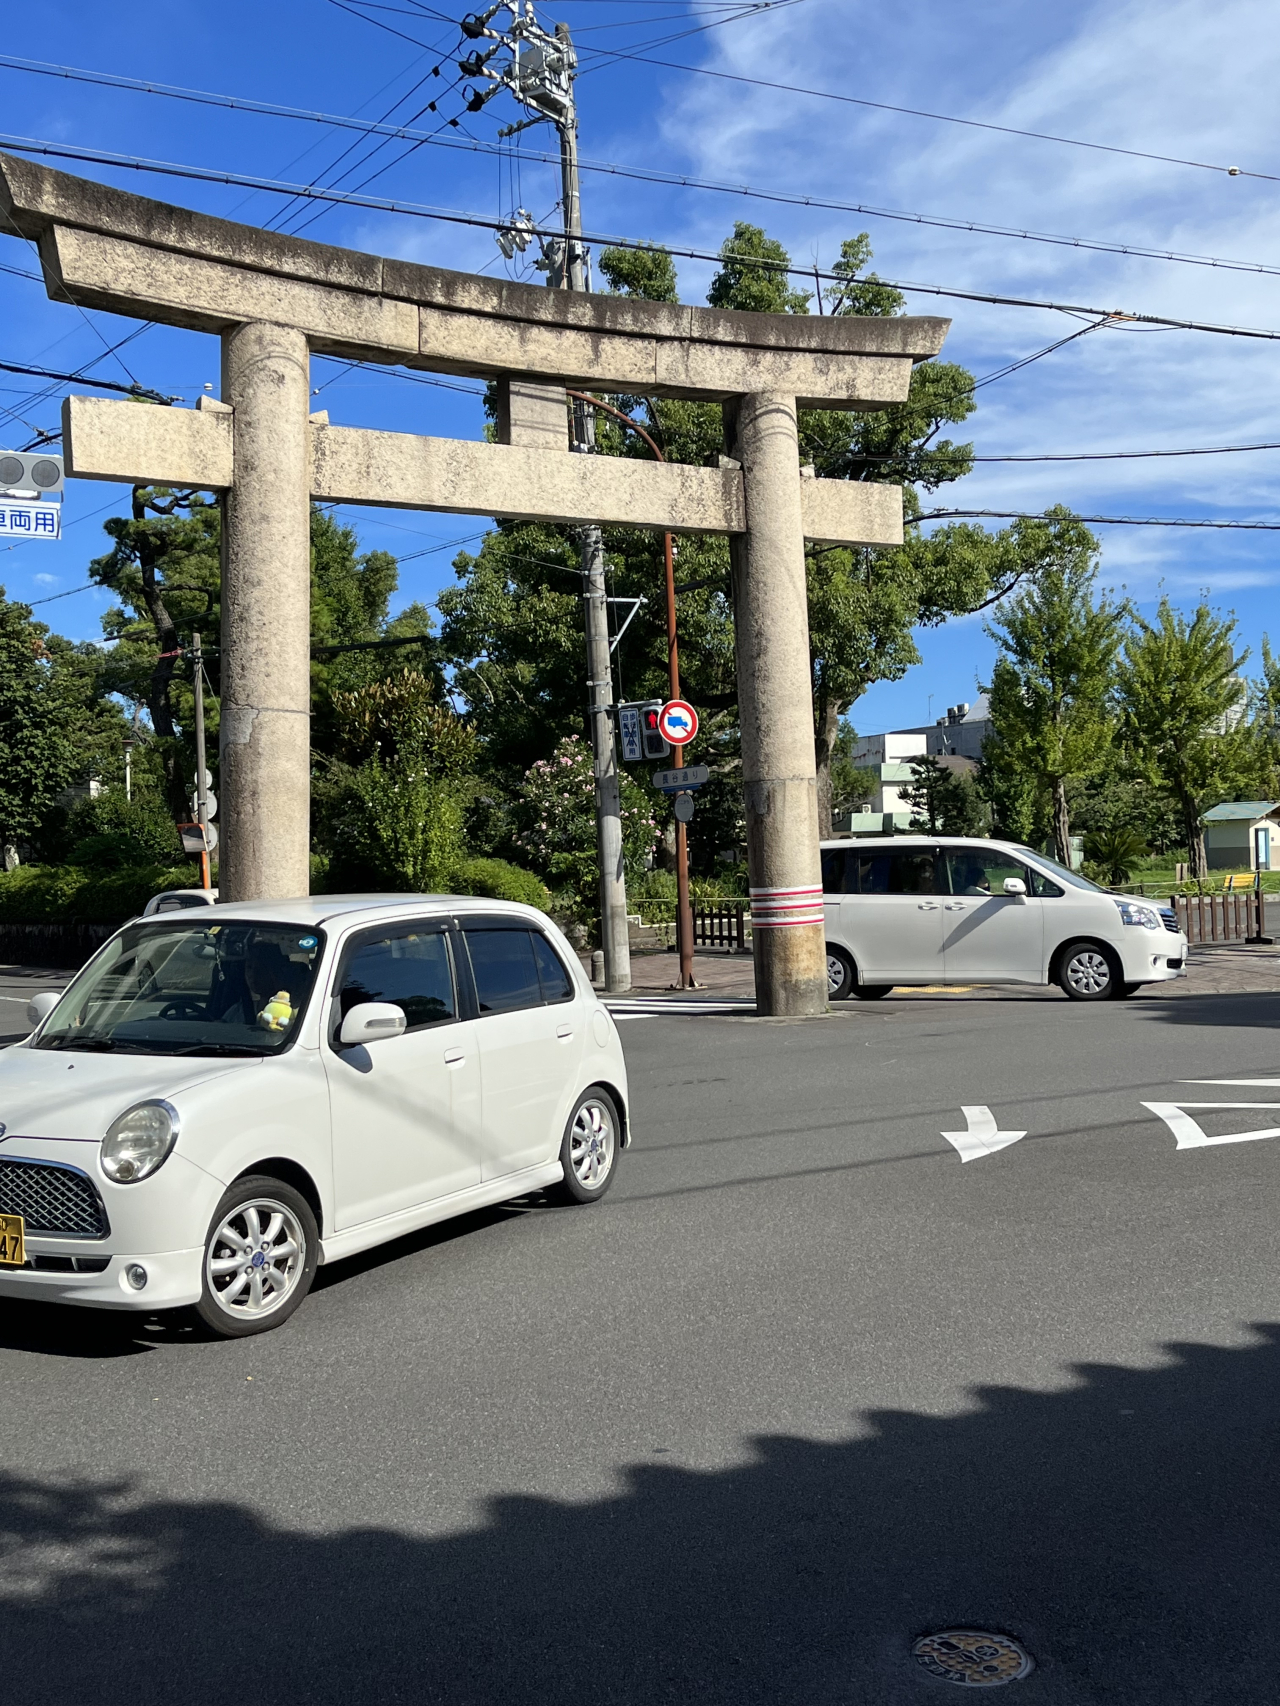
point(13, 1243)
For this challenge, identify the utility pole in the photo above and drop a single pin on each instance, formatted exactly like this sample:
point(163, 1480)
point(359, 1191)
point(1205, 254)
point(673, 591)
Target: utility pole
point(202, 786)
point(540, 75)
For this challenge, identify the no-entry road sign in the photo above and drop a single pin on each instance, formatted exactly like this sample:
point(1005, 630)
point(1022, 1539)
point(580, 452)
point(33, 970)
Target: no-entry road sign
point(678, 722)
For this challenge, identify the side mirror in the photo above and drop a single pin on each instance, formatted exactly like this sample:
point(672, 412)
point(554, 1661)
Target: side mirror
point(41, 1005)
point(369, 1022)
point(1016, 887)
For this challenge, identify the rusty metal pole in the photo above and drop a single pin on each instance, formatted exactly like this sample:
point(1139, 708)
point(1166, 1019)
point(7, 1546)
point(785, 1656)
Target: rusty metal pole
point(684, 910)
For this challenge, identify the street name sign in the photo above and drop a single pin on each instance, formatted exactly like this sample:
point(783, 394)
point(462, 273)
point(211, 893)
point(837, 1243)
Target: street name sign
point(677, 781)
point(23, 518)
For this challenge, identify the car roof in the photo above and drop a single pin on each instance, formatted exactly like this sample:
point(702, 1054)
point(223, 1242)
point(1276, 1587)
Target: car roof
point(350, 908)
point(883, 842)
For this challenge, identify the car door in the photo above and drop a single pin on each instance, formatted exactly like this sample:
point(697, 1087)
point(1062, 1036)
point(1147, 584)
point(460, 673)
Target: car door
point(404, 1109)
point(891, 914)
point(987, 934)
point(530, 1032)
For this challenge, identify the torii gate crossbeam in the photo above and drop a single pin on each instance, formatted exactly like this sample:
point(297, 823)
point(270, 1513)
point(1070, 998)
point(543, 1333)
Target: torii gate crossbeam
point(274, 299)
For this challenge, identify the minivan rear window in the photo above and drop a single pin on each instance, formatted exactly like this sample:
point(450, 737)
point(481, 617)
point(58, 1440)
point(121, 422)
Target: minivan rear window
point(910, 871)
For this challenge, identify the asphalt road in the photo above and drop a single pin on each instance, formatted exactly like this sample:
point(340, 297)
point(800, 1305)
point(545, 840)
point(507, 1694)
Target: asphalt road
point(802, 1388)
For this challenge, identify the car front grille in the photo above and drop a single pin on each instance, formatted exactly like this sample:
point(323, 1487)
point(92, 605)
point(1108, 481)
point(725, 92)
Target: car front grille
point(53, 1200)
point(1170, 921)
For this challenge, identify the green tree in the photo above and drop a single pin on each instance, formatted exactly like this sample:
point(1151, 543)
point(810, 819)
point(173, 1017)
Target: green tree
point(943, 801)
point(1115, 852)
point(1050, 687)
point(1181, 705)
point(39, 753)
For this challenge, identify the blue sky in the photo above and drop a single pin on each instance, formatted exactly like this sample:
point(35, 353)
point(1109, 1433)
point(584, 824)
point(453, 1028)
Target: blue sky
point(1177, 78)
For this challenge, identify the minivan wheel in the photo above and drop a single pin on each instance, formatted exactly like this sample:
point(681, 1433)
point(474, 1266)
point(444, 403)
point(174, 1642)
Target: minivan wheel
point(872, 991)
point(1086, 973)
point(589, 1150)
point(259, 1258)
point(841, 976)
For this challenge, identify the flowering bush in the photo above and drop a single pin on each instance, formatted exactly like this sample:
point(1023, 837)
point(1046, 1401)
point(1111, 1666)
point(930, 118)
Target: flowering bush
point(557, 821)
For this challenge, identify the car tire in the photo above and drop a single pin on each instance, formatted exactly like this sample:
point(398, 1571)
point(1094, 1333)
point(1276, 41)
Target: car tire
point(1125, 990)
point(841, 974)
point(259, 1258)
point(589, 1149)
point(872, 991)
point(1087, 972)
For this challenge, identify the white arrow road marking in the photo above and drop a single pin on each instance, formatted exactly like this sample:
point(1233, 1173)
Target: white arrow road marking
point(982, 1138)
point(1189, 1133)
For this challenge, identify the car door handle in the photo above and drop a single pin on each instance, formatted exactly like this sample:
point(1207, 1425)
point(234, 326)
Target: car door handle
point(454, 1056)
point(953, 906)
point(927, 906)
point(564, 1032)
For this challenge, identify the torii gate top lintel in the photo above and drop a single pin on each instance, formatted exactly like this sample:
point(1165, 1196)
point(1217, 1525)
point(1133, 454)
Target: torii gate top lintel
point(107, 248)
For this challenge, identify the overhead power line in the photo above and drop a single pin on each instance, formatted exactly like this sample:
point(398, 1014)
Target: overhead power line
point(1101, 520)
point(938, 118)
point(388, 204)
point(1126, 455)
point(80, 379)
point(647, 174)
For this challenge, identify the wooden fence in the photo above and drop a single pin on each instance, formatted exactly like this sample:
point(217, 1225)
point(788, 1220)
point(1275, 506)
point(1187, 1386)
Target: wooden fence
point(720, 924)
point(1220, 917)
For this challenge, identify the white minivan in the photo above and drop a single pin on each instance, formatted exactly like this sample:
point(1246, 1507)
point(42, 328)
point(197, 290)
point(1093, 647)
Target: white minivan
point(224, 1098)
point(941, 909)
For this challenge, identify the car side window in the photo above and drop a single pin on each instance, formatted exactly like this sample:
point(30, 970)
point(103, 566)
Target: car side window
point(505, 970)
point(411, 970)
point(911, 873)
point(557, 985)
point(1044, 888)
point(834, 863)
point(982, 870)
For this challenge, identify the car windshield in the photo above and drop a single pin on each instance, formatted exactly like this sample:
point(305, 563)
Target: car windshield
point(1072, 877)
point(187, 987)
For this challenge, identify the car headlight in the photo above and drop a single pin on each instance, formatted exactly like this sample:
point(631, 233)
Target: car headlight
point(1132, 913)
point(139, 1141)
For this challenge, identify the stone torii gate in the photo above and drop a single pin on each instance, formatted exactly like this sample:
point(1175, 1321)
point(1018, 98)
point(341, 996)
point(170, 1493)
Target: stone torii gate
point(273, 299)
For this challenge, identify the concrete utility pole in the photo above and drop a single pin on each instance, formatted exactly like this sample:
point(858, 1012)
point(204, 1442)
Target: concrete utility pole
point(540, 76)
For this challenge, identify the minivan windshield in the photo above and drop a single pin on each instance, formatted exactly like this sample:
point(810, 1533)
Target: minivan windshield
point(189, 987)
point(1072, 877)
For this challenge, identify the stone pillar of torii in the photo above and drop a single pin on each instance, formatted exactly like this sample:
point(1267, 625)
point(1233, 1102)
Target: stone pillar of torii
point(274, 299)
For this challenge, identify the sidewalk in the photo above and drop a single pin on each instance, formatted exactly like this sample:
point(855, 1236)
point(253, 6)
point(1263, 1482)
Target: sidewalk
point(1218, 968)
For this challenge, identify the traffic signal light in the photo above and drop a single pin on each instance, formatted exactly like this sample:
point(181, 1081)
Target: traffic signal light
point(22, 471)
point(652, 740)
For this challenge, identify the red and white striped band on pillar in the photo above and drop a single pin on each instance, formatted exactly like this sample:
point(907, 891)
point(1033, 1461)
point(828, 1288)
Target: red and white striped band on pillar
point(776, 909)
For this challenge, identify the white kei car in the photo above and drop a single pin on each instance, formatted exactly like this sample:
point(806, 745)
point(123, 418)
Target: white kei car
point(949, 909)
point(223, 1099)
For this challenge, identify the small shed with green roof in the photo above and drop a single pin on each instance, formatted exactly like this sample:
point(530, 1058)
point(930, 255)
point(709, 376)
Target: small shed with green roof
point(1240, 834)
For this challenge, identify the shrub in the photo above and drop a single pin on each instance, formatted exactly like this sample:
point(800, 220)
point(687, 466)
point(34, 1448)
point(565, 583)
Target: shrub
point(69, 894)
point(498, 880)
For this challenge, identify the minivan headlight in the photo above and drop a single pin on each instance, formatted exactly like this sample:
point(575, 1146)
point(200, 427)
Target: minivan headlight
point(139, 1141)
point(1132, 913)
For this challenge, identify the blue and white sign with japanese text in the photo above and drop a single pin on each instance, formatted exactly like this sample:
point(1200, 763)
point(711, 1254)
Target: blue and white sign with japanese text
point(21, 519)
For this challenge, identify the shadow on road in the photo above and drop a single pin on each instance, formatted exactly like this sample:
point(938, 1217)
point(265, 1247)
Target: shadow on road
point(1126, 1529)
point(1239, 1010)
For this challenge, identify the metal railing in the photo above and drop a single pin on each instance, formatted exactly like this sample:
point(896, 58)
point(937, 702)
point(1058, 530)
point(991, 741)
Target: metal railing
point(721, 924)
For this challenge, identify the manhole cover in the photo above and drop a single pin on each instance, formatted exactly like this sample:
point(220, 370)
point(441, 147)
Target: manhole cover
point(971, 1658)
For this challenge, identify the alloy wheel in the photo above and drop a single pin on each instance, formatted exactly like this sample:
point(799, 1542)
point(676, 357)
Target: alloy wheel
point(835, 973)
point(255, 1259)
point(592, 1144)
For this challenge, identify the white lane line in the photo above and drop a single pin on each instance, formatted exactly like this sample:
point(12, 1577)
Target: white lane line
point(1246, 1083)
point(1190, 1134)
point(982, 1137)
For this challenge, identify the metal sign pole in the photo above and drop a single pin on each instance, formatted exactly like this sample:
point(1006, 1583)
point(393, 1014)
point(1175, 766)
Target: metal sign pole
point(202, 790)
point(684, 911)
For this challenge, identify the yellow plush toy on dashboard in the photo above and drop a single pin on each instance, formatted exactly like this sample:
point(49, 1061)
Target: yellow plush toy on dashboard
point(278, 1012)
